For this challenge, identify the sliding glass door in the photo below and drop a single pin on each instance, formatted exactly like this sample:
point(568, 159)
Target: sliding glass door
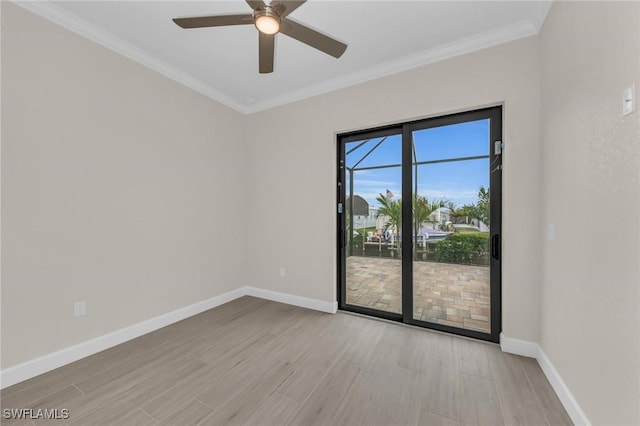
point(419, 222)
point(372, 170)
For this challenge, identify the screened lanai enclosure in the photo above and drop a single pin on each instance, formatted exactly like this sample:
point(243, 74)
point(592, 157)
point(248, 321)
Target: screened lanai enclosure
point(448, 223)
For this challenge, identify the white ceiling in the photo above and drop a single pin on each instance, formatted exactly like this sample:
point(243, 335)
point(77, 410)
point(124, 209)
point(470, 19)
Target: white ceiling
point(383, 37)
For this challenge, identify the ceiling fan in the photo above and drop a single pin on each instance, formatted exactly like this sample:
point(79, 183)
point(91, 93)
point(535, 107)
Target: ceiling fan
point(270, 19)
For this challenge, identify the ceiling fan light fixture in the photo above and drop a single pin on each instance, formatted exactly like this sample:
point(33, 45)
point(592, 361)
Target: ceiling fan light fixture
point(270, 17)
point(267, 21)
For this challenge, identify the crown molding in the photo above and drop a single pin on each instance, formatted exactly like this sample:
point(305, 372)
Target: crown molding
point(467, 45)
point(505, 34)
point(57, 15)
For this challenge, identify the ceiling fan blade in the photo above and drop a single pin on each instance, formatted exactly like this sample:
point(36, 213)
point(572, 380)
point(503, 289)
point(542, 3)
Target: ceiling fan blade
point(214, 21)
point(266, 44)
point(256, 4)
point(313, 38)
point(285, 7)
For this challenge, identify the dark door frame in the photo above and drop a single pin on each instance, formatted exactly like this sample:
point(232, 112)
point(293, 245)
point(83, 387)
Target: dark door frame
point(494, 114)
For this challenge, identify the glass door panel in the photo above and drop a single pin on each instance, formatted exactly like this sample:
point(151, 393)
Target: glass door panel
point(373, 221)
point(451, 256)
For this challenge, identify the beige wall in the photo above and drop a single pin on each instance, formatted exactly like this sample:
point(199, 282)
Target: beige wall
point(292, 170)
point(119, 187)
point(129, 191)
point(590, 322)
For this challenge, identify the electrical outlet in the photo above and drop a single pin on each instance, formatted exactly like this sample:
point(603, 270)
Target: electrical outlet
point(79, 309)
point(551, 231)
point(283, 272)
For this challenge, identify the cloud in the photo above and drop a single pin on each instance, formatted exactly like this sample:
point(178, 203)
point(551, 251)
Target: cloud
point(377, 183)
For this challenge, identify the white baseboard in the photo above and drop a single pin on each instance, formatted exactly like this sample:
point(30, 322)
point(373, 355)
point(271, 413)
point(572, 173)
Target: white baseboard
point(303, 302)
point(566, 397)
point(533, 350)
point(519, 347)
point(21, 372)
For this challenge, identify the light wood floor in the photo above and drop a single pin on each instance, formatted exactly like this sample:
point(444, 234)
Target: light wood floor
point(257, 362)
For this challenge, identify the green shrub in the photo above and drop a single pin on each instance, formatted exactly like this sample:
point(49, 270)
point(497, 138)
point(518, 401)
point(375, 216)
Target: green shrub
point(461, 248)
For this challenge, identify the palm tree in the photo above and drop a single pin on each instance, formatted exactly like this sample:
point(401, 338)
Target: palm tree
point(422, 210)
point(478, 211)
point(392, 210)
point(464, 213)
point(483, 205)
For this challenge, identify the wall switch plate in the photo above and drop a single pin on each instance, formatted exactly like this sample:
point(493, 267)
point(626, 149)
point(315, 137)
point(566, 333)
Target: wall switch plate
point(283, 272)
point(551, 231)
point(629, 100)
point(79, 309)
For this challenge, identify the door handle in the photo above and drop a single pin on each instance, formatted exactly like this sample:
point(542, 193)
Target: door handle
point(495, 247)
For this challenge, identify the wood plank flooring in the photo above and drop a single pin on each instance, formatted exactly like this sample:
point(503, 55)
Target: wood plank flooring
point(256, 362)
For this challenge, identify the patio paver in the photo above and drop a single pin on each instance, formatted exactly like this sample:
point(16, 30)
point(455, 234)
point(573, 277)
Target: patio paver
point(448, 294)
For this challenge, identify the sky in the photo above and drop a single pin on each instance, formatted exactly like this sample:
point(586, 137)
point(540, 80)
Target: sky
point(457, 181)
